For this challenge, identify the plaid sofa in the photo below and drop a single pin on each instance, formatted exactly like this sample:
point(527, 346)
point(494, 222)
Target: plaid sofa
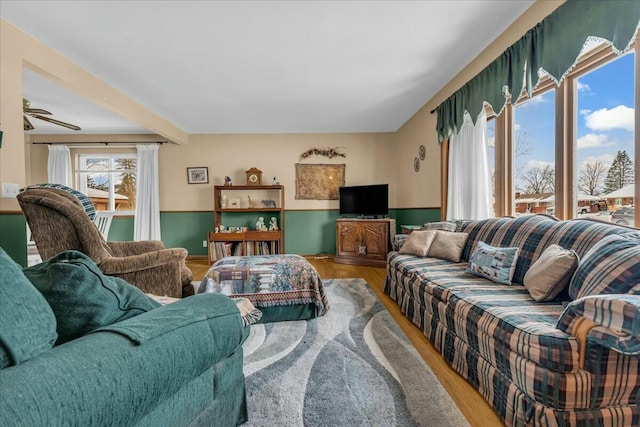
point(525, 357)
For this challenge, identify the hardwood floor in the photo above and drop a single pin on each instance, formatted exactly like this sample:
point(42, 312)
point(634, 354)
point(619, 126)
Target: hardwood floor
point(477, 411)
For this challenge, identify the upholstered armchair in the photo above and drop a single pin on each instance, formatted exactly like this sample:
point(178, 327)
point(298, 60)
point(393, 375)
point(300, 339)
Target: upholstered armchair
point(58, 222)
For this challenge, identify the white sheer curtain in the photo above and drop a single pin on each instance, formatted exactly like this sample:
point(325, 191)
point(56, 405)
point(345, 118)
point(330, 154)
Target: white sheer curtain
point(469, 189)
point(147, 220)
point(59, 165)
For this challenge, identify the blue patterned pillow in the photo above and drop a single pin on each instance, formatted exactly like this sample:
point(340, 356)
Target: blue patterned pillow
point(496, 264)
point(611, 266)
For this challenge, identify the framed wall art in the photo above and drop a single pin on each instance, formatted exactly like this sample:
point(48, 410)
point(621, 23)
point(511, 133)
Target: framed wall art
point(199, 175)
point(319, 181)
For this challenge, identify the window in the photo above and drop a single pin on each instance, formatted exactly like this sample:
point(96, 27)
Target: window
point(574, 143)
point(604, 172)
point(109, 180)
point(534, 154)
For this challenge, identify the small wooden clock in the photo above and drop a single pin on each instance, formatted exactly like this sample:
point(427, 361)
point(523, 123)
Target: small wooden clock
point(254, 176)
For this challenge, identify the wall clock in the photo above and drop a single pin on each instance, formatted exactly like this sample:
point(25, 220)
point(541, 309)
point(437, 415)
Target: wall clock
point(422, 152)
point(254, 176)
point(416, 164)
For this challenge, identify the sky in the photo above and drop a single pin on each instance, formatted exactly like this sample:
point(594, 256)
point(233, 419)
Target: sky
point(605, 117)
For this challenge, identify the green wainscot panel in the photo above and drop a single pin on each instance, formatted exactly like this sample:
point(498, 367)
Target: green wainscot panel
point(178, 229)
point(186, 230)
point(13, 237)
point(414, 216)
point(121, 229)
point(310, 232)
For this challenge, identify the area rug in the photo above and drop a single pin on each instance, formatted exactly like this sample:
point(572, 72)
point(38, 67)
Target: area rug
point(352, 367)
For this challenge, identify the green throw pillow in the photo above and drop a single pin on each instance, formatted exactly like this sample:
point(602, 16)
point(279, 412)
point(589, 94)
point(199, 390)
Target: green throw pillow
point(82, 297)
point(27, 324)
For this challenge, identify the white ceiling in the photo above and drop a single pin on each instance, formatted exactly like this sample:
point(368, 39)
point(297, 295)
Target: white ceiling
point(262, 66)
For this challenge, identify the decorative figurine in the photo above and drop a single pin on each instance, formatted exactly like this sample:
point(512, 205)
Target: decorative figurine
point(269, 203)
point(227, 181)
point(250, 202)
point(260, 225)
point(273, 224)
point(275, 181)
point(224, 201)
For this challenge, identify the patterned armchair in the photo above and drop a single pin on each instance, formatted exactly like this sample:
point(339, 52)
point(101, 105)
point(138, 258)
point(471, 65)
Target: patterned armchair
point(59, 222)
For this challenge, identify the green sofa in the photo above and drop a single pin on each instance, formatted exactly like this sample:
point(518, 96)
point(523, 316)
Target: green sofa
point(178, 364)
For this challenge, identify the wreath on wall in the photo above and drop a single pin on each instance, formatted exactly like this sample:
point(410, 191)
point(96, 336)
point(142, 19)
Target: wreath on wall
point(325, 152)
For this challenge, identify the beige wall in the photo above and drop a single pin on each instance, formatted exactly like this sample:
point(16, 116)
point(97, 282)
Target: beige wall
point(275, 155)
point(371, 158)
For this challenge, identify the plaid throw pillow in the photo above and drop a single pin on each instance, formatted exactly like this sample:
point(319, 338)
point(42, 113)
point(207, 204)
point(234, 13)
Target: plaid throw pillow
point(611, 266)
point(85, 201)
point(619, 316)
point(441, 225)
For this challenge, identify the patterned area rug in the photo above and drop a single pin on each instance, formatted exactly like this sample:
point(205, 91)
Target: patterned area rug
point(352, 367)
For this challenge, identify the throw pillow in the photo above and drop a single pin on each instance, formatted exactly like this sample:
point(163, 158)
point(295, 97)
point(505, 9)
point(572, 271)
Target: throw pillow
point(496, 264)
point(418, 243)
point(448, 245)
point(611, 266)
point(551, 273)
point(440, 225)
point(82, 297)
point(27, 324)
point(619, 316)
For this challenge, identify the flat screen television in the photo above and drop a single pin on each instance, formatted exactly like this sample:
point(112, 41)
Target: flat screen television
point(364, 200)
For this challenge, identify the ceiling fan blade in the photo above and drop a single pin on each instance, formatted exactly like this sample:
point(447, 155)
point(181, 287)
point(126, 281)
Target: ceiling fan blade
point(26, 123)
point(56, 122)
point(36, 111)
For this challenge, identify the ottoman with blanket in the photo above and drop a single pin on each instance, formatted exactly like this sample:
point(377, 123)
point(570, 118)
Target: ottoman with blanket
point(542, 316)
point(283, 287)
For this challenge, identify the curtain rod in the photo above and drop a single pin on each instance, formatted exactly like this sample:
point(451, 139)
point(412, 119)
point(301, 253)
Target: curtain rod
point(99, 143)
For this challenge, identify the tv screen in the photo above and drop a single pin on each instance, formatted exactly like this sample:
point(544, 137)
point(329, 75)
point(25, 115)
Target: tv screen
point(365, 200)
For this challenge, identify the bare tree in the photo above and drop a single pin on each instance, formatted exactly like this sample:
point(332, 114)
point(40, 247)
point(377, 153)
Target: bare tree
point(592, 177)
point(521, 150)
point(538, 180)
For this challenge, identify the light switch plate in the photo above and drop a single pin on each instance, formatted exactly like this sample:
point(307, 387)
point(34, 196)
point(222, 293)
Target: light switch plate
point(10, 191)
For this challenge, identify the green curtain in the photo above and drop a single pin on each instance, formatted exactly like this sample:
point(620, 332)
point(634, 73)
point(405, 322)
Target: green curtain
point(553, 45)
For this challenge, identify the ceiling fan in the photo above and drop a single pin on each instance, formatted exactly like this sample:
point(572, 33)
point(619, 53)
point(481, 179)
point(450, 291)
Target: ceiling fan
point(37, 113)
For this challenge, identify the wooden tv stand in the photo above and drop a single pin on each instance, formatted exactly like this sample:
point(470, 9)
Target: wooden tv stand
point(362, 241)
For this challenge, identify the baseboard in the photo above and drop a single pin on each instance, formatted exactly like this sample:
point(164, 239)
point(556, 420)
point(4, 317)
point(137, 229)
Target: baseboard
point(197, 258)
point(320, 256)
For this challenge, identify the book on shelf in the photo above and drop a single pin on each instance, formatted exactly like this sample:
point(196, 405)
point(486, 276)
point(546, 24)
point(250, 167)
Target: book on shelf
point(224, 249)
point(221, 249)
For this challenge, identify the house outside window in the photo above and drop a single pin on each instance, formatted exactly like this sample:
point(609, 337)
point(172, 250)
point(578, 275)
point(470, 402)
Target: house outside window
point(109, 180)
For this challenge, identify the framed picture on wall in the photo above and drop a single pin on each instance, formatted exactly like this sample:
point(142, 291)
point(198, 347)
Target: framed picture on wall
point(199, 175)
point(319, 181)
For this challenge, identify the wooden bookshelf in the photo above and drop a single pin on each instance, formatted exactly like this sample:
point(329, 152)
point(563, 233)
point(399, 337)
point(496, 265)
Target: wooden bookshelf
point(250, 242)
